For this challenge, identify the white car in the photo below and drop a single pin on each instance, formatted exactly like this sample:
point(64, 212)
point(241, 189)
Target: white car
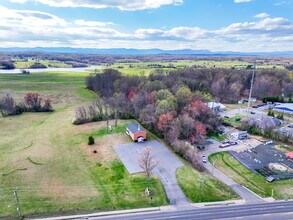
point(204, 159)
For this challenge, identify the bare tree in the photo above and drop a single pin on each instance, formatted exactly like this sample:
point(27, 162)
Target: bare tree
point(100, 103)
point(7, 106)
point(147, 161)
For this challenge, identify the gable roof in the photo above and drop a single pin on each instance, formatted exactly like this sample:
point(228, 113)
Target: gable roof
point(134, 128)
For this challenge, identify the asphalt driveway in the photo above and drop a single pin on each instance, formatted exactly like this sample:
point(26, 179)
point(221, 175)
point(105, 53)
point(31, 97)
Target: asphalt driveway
point(130, 153)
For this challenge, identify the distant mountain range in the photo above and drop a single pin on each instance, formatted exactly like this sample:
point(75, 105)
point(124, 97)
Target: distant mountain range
point(124, 51)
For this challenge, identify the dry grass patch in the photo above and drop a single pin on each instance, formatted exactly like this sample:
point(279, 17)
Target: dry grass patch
point(104, 147)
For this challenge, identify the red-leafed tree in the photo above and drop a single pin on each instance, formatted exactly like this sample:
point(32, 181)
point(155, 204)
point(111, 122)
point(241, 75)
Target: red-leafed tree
point(165, 122)
point(130, 95)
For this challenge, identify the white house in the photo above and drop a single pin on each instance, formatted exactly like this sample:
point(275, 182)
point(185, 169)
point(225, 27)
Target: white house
point(216, 106)
point(240, 135)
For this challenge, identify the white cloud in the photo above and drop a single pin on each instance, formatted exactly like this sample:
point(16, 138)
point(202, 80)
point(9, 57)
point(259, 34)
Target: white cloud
point(237, 1)
point(23, 28)
point(262, 15)
point(130, 5)
point(32, 18)
point(92, 23)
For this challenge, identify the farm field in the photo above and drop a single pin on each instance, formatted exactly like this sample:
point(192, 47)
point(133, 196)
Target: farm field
point(282, 189)
point(145, 68)
point(20, 64)
point(49, 160)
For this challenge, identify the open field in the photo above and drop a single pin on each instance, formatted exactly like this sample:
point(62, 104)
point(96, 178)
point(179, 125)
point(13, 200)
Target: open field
point(281, 189)
point(201, 187)
point(145, 68)
point(49, 63)
point(49, 160)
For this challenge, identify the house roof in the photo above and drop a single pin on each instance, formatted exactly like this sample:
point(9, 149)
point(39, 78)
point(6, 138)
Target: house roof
point(290, 154)
point(216, 105)
point(134, 128)
point(262, 121)
point(243, 132)
point(286, 107)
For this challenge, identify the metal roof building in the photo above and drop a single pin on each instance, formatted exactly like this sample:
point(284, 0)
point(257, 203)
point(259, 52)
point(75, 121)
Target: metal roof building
point(286, 107)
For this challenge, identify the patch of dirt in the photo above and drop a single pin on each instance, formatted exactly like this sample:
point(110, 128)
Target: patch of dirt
point(104, 147)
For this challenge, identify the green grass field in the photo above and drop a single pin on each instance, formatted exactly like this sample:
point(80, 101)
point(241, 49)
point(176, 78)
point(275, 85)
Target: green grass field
point(282, 189)
point(201, 187)
point(49, 160)
point(26, 64)
point(145, 68)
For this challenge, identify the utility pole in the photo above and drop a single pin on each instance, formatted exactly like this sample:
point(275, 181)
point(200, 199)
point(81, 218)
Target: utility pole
point(17, 201)
point(251, 86)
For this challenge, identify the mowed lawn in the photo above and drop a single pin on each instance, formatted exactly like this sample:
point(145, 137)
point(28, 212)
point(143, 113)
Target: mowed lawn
point(282, 189)
point(202, 187)
point(49, 160)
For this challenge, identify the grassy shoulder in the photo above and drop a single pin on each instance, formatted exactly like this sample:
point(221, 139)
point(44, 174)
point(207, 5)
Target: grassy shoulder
point(281, 189)
point(201, 187)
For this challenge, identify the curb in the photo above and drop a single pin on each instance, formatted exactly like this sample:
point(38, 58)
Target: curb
point(101, 214)
point(224, 203)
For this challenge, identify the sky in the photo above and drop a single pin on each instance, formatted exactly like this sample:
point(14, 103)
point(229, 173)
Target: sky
point(215, 25)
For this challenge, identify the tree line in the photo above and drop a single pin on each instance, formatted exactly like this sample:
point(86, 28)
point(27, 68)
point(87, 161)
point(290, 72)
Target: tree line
point(32, 102)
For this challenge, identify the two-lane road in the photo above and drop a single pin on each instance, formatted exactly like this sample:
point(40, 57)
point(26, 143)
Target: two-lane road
point(272, 210)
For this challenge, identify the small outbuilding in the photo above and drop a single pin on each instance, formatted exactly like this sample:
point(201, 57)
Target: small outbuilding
point(136, 132)
point(241, 135)
point(215, 106)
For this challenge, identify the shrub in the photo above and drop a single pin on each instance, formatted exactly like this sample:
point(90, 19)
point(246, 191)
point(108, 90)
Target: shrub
point(91, 140)
point(280, 116)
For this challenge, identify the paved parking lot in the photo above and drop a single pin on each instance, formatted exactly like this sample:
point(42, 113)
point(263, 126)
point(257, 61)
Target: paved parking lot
point(130, 153)
point(259, 158)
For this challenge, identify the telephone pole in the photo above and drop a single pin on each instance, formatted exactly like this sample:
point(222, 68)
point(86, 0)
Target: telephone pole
point(251, 86)
point(17, 201)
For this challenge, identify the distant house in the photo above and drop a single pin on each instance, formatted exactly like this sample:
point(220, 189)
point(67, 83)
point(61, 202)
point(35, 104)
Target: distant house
point(286, 107)
point(216, 106)
point(241, 135)
point(136, 132)
point(263, 122)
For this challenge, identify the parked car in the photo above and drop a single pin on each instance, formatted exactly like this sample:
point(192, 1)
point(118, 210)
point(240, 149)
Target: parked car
point(200, 147)
point(290, 126)
point(252, 112)
point(269, 142)
point(204, 159)
point(225, 142)
point(224, 145)
point(233, 142)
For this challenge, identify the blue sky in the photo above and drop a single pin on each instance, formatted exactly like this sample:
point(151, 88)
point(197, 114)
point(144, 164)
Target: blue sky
point(226, 25)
